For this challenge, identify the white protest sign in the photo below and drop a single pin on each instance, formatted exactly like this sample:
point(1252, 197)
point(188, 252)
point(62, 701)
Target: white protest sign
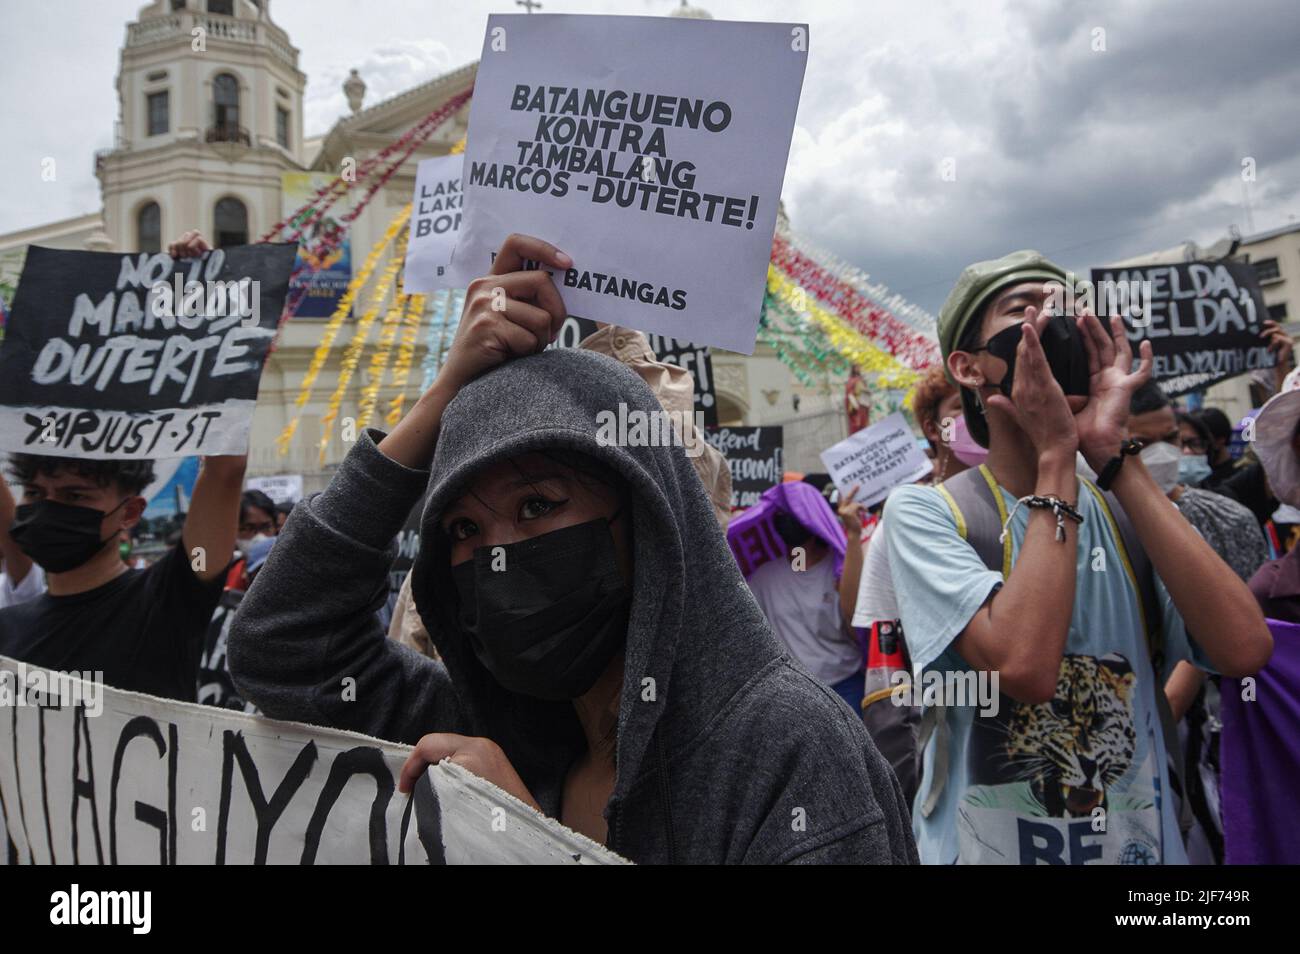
point(281, 488)
point(649, 149)
point(435, 223)
point(103, 776)
point(878, 459)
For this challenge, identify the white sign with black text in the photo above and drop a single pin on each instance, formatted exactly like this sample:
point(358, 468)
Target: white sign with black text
point(435, 223)
point(651, 150)
point(878, 459)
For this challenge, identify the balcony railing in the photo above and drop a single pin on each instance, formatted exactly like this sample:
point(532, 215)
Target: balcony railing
point(227, 132)
point(229, 29)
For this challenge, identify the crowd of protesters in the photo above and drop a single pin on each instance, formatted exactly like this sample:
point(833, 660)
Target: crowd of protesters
point(592, 629)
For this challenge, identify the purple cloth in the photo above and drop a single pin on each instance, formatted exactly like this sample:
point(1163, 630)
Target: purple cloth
point(1260, 752)
point(754, 539)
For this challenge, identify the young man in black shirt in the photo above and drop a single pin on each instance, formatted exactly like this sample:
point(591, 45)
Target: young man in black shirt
point(143, 629)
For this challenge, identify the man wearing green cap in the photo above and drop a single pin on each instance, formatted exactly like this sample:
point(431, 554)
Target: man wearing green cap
point(1019, 572)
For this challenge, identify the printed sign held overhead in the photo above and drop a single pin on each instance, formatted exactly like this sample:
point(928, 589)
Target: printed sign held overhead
point(325, 276)
point(650, 149)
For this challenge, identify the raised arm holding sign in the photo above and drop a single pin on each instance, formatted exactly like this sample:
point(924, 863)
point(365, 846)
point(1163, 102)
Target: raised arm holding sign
point(142, 629)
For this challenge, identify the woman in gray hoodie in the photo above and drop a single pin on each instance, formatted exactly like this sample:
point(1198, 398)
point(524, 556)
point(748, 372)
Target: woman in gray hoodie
point(601, 656)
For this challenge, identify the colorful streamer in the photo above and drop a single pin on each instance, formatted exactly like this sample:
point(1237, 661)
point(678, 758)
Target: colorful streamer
point(416, 305)
point(352, 353)
point(870, 359)
point(379, 356)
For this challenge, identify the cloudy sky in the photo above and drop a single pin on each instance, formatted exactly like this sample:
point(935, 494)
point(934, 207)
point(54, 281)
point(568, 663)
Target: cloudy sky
point(1088, 154)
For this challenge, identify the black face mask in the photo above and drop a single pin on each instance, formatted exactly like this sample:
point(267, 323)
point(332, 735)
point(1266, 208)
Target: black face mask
point(1062, 346)
point(547, 622)
point(58, 536)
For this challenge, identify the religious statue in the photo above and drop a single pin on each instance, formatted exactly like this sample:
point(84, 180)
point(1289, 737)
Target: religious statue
point(856, 403)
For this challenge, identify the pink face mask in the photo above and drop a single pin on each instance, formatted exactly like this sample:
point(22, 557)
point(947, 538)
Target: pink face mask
point(963, 446)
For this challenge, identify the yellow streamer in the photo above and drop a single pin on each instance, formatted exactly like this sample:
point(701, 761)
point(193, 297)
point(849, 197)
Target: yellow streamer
point(399, 315)
point(405, 357)
point(352, 354)
point(379, 357)
point(341, 312)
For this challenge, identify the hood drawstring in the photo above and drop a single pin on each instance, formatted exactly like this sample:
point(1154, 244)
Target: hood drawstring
point(665, 796)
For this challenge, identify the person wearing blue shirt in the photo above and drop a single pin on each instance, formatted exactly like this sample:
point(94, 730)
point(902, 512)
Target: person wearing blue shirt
point(1069, 767)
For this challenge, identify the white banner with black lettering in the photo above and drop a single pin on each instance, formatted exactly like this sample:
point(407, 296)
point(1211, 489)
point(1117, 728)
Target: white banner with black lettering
point(90, 774)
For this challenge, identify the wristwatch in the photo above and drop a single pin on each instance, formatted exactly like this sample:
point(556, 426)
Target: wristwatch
point(1129, 448)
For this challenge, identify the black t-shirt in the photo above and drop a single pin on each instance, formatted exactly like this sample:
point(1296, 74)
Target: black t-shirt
point(1249, 486)
point(1221, 474)
point(216, 687)
point(143, 630)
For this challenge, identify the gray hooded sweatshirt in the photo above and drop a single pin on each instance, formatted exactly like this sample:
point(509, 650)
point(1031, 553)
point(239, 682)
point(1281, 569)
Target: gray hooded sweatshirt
point(727, 749)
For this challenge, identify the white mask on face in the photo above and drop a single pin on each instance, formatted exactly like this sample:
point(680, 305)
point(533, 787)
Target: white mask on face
point(246, 543)
point(1161, 459)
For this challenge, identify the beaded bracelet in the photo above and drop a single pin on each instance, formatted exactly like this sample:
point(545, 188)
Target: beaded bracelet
point(1050, 502)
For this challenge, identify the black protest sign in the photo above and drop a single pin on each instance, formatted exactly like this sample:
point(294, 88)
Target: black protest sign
point(754, 456)
point(139, 355)
point(699, 362)
point(574, 331)
point(1204, 320)
point(694, 359)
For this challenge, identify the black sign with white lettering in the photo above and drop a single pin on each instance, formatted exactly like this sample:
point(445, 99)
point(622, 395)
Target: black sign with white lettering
point(754, 456)
point(139, 355)
point(1204, 322)
point(408, 547)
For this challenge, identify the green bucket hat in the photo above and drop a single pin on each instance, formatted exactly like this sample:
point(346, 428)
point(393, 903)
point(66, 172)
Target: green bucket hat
point(979, 282)
point(975, 286)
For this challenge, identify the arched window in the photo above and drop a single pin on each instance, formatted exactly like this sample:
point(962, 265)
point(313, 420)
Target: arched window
point(148, 228)
point(225, 106)
point(230, 223)
point(224, 7)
